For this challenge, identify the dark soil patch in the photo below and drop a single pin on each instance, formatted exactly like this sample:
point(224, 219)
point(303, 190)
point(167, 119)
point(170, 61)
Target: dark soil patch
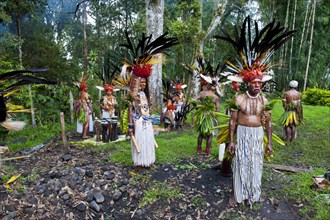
point(77, 183)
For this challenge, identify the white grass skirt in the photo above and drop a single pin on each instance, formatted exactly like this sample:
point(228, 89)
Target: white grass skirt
point(247, 165)
point(144, 135)
point(91, 124)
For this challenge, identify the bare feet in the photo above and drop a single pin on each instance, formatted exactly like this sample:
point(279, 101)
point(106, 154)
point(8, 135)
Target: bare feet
point(86, 137)
point(232, 201)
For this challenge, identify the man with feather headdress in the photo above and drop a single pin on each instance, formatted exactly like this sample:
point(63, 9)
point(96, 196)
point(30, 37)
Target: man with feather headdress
point(140, 128)
point(249, 112)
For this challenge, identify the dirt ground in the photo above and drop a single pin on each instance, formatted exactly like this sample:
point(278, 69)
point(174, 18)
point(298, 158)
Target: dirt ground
point(77, 183)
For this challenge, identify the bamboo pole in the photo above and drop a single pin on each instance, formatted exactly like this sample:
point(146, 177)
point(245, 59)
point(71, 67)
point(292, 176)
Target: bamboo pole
point(310, 48)
point(64, 139)
point(135, 144)
point(156, 145)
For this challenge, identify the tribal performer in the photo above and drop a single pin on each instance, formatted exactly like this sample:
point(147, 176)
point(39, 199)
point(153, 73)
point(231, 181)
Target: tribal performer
point(180, 103)
point(293, 114)
point(109, 102)
point(205, 117)
point(249, 114)
point(84, 109)
point(140, 124)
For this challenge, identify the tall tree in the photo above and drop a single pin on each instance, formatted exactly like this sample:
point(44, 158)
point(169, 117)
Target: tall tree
point(216, 21)
point(310, 46)
point(155, 20)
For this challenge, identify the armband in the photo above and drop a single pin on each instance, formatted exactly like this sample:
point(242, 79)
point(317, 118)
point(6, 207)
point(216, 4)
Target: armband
point(130, 126)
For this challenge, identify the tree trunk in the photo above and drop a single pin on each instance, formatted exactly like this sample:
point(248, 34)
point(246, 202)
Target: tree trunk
point(302, 36)
point(216, 21)
point(20, 56)
point(155, 19)
point(310, 47)
point(292, 39)
point(85, 49)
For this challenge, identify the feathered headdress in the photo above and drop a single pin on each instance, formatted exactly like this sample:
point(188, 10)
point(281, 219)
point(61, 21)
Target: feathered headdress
point(82, 84)
point(143, 55)
point(254, 50)
point(110, 70)
point(21, 78)
point(178, 84)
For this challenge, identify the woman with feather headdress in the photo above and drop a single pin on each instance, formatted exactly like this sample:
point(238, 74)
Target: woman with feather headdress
point(139, 64)
point(249, 112)
point(84, 109)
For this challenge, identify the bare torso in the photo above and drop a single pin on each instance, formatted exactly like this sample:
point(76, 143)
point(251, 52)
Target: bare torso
point(250, 110)
point(291, 96)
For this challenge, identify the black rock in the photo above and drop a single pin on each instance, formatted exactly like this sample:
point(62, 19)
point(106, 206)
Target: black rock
point(41, 188)
point(93, 205)
point(89, 197)
point(124, 181)
point(139, 212)
point(109, 175)
point(103, 182)
point(10, 208)
point(67, 157)
point(32, 200)
point(89, 173)
point(99, 198)
point(81, 207)
point(55, 174)
point(66, 196)
point(117, 195)
point(29, 211)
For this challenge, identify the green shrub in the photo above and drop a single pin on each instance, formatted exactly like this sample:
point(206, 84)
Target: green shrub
point(316, 97)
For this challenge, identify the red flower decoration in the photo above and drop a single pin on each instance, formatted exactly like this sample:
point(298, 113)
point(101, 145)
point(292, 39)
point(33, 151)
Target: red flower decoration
point(178, 86)
point(83, 86)
point(142, 70)
point(235, 86)
point(108, 87)
point(171, 107)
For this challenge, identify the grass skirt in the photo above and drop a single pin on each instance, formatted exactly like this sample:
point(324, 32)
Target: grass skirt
point(247, 165)
point(144, 135)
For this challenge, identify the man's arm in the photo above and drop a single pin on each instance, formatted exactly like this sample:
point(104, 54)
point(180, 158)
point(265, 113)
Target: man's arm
point(232, 127)
point(268, 125)
point(217, 104)
point(284, 101)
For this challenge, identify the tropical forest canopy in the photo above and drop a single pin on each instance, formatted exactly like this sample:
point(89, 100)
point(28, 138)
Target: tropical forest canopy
point(70, 37)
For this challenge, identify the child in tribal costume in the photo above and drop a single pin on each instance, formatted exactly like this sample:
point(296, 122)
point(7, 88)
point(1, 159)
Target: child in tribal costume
point(109, 102)
point(84, 110)
point(139, 65)
point(293, 114)
point(250, 113)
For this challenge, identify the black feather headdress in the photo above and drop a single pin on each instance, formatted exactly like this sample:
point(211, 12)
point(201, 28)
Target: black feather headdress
point(254, 50)
point(109, 71)
point(17, 78)
point(142, 56)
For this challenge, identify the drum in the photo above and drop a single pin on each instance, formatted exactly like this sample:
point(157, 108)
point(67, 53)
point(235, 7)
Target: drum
point(112, 127)
point(105, 132)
